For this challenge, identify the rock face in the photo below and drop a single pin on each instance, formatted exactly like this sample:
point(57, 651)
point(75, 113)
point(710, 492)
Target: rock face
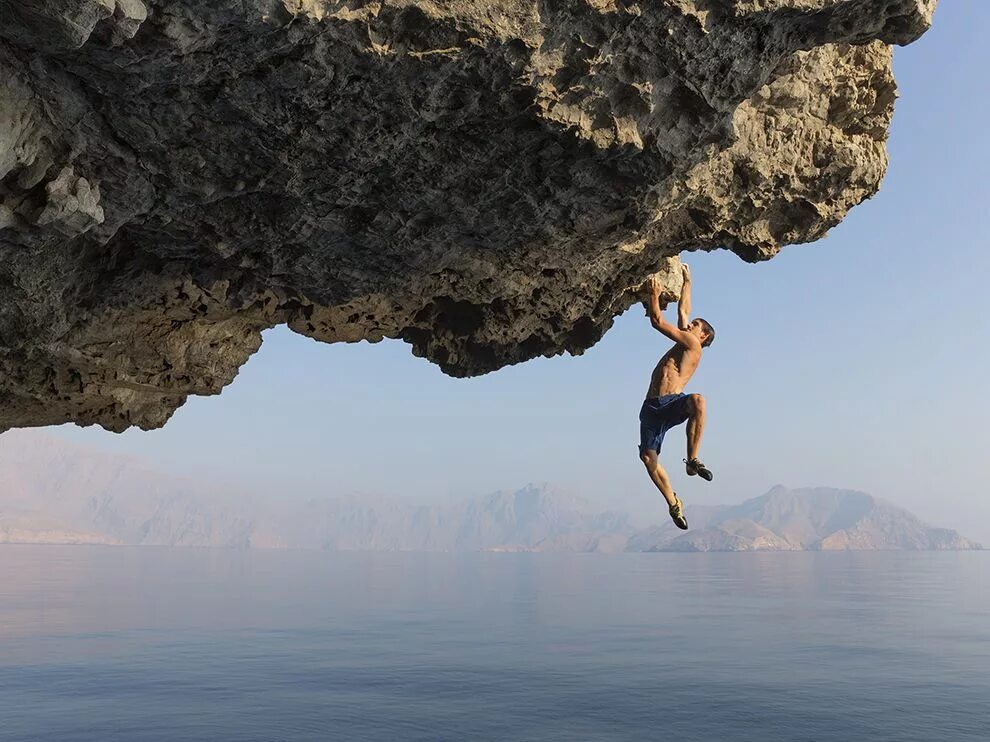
point(484, 179)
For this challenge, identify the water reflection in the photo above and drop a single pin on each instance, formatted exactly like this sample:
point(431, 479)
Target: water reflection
point(536, 646)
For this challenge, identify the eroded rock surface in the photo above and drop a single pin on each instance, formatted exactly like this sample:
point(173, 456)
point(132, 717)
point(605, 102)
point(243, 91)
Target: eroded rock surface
point(485, 180)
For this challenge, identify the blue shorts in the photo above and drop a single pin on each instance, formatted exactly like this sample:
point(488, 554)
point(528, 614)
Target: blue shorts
point(658, 415)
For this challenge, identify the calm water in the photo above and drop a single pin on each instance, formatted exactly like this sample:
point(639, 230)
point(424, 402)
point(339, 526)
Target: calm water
point(148, 644)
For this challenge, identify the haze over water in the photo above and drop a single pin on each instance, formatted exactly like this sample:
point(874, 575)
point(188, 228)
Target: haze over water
point(157, 644)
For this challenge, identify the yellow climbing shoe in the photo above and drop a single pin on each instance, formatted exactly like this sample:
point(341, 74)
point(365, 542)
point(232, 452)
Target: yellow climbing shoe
point(677, 514)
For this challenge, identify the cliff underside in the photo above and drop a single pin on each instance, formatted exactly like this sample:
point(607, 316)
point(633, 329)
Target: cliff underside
point(488, 181)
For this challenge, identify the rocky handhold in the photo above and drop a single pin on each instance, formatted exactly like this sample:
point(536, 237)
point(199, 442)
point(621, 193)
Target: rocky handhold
point(489, 181)
point(72, 205)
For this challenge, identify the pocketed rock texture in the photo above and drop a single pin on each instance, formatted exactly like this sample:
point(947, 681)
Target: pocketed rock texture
point(488, 181)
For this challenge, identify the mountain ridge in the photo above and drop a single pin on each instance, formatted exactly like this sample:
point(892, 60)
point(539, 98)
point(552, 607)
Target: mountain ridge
point(53, 492)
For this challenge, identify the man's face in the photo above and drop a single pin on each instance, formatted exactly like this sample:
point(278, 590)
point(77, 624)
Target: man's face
point(697, 329)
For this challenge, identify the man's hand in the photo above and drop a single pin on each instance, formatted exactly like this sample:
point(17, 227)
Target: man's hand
point(680, 333)
point(655, 286)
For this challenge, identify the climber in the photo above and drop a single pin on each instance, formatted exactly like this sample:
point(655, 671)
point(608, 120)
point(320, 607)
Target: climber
point(666, 406)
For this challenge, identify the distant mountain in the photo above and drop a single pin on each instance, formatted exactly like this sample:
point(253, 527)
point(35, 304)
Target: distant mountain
point(53, 492)
point(817, 519)
point(519, 520)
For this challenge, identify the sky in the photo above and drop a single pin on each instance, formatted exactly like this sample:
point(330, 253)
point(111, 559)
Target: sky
point(859, 362)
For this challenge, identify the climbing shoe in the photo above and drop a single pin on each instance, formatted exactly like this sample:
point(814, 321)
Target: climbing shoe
point(677, 514)
point(695, 467)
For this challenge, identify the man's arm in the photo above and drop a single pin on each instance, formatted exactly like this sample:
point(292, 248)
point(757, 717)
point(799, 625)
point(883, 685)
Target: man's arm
point(656, 318)
point(684, 303)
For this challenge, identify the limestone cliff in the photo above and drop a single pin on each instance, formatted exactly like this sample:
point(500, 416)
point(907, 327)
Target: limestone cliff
point(484, 180)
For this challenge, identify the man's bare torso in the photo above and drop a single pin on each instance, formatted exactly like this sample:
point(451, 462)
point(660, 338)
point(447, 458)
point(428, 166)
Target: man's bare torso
point(674, 371)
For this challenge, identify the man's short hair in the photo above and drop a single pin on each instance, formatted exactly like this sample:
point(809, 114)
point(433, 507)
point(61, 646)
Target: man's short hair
point(709, 330)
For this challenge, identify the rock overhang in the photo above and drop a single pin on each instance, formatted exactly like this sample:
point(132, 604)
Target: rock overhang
point(488, 181)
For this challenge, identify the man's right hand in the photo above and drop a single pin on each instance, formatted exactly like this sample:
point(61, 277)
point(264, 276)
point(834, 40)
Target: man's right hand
point(655, 286)
point(686, 272)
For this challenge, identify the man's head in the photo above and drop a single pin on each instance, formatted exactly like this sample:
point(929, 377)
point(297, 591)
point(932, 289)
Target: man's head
point(703, 331)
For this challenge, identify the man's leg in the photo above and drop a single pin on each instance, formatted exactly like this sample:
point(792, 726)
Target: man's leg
point(696, 424)
point(657, 474)
point(659, 477)
point(695, 427)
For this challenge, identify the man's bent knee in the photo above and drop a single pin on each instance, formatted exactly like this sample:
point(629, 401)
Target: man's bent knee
point(697, 403)
point(648, 457)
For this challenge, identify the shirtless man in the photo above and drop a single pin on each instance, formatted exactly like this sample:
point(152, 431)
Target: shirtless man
point(666, 406)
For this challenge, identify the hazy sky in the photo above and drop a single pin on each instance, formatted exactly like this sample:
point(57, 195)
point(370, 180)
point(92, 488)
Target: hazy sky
point(860, 361)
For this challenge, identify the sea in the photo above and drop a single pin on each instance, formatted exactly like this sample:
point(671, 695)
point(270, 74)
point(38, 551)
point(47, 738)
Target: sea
point(100, 644)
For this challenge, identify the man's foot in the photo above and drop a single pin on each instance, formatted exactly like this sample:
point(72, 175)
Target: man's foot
point(693, 466)
point(677, 514)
